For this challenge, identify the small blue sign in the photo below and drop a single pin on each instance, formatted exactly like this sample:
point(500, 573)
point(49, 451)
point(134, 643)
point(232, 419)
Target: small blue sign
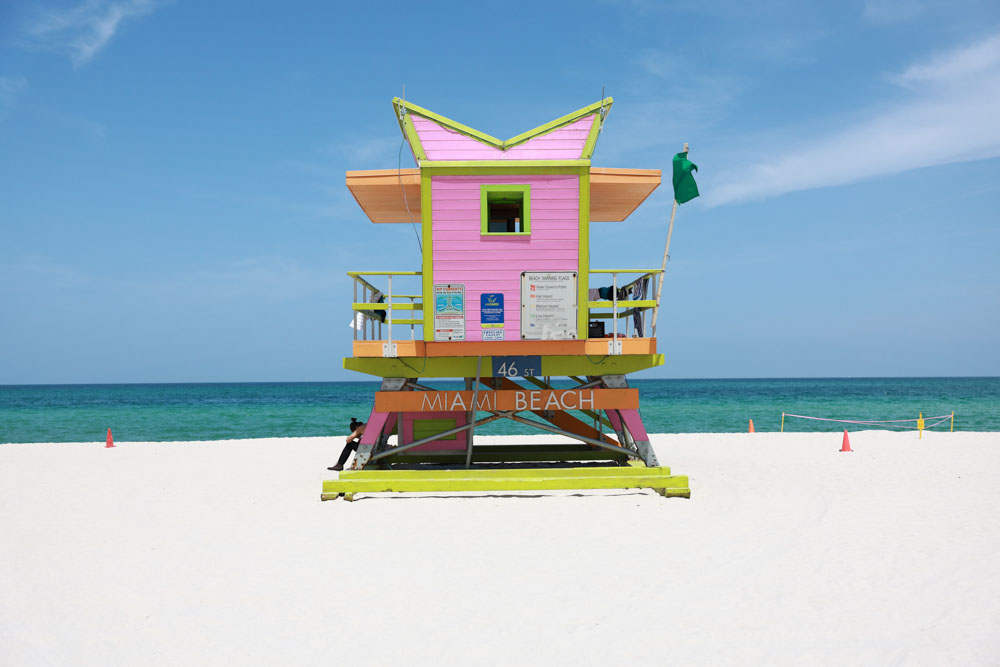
point(512, 367)
point(491, 308)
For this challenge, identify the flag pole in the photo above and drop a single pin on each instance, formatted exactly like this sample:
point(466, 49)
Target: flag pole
point(663, 266)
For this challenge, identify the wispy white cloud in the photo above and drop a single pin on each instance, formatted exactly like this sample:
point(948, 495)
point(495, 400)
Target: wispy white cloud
point(670, 98)
point(85, 29)
point(962, 66)
point(950, 113)
point(688, 92)
point(892, 11)
point(10, 90)
point(30, 273)
point(770, 33)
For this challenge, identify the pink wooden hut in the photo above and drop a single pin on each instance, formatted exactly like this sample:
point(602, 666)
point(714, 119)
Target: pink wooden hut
point(503, 300)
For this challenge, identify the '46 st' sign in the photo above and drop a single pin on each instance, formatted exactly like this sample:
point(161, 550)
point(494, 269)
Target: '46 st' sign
point(512, 367)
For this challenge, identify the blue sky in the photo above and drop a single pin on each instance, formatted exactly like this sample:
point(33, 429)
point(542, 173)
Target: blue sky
point(173, 208)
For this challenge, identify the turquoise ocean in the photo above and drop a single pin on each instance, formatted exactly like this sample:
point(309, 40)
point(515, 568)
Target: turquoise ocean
point(163, 412)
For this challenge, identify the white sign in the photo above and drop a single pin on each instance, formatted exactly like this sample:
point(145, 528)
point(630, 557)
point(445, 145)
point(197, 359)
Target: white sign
point(548, 305)
point(492, 334)
point(449, 311)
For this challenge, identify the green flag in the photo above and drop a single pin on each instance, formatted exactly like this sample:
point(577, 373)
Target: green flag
point(685, 189)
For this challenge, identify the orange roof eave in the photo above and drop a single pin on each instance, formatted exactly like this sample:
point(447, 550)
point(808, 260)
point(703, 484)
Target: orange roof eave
point(390, 195)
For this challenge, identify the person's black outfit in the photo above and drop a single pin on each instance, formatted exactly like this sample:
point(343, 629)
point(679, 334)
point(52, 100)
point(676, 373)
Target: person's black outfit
point(351, 446)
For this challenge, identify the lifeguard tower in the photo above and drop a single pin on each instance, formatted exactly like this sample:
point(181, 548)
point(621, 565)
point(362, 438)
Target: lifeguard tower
point(507, 302)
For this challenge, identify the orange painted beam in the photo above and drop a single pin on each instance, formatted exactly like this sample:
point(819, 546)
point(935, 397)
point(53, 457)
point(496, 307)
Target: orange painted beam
point(373, 348)
point(535, 400)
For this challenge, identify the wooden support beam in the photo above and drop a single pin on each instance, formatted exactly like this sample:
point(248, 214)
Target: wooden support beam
point(568, 422)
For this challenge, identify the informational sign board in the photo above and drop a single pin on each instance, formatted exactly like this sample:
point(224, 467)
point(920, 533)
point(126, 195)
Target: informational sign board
point(513, 367)
point(491, 308)
point(449, 311)
point(491, 315)
point(548, 305)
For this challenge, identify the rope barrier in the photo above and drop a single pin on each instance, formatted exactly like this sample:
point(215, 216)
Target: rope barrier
point(921, 422)
point(942, 419)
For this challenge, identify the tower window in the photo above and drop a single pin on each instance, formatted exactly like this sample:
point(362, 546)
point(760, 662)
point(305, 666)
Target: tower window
point(506, 210)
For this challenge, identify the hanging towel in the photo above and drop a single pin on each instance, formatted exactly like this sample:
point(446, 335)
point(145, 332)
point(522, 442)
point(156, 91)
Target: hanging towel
point(378, 315)
point(639, 293)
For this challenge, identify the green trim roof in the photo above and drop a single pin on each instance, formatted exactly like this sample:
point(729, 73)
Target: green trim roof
point(402, 108)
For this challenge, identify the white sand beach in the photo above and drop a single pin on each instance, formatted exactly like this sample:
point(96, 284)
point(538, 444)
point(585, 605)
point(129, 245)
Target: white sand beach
point(788, 552)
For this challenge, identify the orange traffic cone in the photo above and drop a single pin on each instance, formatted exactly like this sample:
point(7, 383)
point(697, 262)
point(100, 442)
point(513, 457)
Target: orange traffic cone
point(111, 441)
point(846, 447)
point(751, 427)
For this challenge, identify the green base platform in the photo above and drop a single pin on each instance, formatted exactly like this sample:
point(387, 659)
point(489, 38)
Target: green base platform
point(658, 479)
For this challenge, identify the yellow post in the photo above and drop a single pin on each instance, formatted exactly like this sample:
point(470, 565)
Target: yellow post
point(952, 421)
point(782, 422)
point(920, 426)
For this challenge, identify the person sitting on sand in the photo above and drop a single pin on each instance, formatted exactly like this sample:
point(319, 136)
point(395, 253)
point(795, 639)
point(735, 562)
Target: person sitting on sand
point(353, 440)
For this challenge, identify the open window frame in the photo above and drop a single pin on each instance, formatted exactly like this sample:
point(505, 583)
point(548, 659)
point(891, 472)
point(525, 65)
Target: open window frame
point(505, 194)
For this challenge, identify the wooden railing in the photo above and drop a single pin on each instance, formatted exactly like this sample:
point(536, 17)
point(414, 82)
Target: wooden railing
point(367, 324)
point(625, 307)
point(374, 300)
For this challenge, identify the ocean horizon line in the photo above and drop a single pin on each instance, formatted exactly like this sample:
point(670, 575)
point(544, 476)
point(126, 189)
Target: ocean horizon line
point(376, 381)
